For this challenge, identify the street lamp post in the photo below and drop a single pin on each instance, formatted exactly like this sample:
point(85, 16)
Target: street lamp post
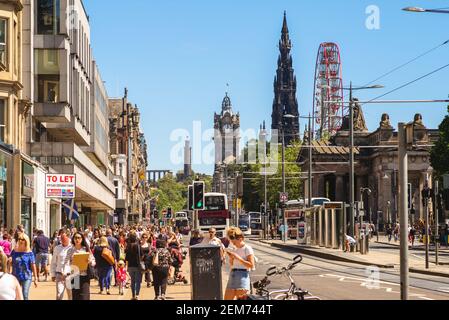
point(310, 162)
point(418, 9)
point(351, 151)
point(285, 116)
point(368, 191)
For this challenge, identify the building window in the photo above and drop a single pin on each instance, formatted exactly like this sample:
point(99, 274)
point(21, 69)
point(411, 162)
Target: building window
point(48, 16)
point(3, 30)
point(3, 119)
point(116, 188)
point(47, 73)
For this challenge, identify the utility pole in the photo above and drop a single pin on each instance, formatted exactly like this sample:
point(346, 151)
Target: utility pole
point(351, 161)
point(310, 161)
point(436, 221)
point(285, 228)
point(426, 196)
point(403, 208)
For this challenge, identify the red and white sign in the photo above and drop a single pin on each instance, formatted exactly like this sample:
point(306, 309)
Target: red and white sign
point(60, 186)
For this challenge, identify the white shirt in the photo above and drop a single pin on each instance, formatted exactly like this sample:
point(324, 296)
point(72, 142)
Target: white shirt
point(244, 252)
point(8, 286)
point(60, 261)
point(350, 239)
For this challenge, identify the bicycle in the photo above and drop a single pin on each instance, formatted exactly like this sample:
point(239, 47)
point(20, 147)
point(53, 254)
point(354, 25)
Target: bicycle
point(292, 293)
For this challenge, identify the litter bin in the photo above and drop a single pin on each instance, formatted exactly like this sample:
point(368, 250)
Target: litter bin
point(205, 272)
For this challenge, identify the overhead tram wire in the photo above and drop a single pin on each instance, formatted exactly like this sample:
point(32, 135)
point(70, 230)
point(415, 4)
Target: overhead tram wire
point(407, 84)
point(404, 64)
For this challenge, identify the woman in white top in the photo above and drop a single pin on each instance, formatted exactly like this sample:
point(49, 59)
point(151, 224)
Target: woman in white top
point(241, 258)
point(9, 287)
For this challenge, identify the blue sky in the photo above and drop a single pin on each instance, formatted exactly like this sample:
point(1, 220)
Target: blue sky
point(176, 57)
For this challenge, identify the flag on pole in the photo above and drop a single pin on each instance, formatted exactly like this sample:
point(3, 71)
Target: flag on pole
point(71, 209)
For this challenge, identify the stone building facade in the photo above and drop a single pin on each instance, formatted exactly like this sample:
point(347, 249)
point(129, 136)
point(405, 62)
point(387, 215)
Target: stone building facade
point(376, 167)
point(227, 142)
point(129, 161)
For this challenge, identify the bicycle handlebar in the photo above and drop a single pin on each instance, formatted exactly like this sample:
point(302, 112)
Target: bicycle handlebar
point(272, 271)
point(297, 260)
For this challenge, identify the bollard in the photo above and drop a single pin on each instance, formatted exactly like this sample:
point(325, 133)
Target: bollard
point(205, 272)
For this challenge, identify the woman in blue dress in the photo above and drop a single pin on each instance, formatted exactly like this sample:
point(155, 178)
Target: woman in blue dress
point(24, 264)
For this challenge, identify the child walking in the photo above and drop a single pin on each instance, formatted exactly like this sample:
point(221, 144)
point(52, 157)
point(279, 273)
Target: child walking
point(121, 276)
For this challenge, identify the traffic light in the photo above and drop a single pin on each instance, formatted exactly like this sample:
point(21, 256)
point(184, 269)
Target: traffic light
point(190, 199)
point(169, 213)
point(425, 193)
point(198, 195)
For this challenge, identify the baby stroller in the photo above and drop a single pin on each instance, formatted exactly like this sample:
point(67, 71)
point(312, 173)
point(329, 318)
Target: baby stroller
point(177, 256)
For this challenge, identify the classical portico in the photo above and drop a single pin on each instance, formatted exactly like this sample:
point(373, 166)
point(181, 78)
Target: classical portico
point(376, 167)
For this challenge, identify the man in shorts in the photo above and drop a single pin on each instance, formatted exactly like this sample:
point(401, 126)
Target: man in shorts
point(41, 245)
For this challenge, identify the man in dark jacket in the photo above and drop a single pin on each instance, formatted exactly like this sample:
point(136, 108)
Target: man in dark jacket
point(115, 247)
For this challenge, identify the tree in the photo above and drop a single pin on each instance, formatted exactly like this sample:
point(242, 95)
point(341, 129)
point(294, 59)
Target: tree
point(254, 187)
point(173, 193)
point(439, 155)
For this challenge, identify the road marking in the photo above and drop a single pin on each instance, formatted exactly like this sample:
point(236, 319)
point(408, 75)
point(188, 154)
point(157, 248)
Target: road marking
point(377, 282)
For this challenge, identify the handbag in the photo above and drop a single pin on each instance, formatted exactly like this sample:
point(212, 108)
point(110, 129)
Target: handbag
point(91, 272)
point(156, 259)
point(106, 254)
point(141, 262)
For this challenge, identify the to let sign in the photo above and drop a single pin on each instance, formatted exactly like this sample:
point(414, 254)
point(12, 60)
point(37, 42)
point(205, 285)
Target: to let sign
point(60, 186)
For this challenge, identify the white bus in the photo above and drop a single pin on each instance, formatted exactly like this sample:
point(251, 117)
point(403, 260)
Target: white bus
point(244, 224)
point(215, 214)
point(255, 222)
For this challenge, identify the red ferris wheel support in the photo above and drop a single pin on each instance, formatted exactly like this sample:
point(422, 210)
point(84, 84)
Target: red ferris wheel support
point(328, 106)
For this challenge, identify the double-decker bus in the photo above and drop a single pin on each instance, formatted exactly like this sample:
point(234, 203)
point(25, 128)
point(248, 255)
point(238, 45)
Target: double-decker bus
point(255, 222)
point(215, 214)
point(244, 224)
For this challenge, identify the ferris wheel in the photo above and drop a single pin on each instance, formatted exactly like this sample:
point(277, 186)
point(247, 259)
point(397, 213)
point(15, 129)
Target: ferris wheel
point(328, 106)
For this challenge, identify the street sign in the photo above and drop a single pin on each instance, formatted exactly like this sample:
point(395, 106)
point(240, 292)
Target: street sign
point(60, 186)
point(283, 197)
point(333, 205)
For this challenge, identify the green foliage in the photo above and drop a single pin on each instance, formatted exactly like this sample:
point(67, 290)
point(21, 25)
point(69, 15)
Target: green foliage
point(173, 193)
point(439, 156)
point(254, 188)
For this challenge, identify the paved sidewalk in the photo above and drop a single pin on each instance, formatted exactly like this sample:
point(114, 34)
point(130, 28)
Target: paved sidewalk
point(374, 258)
point(179, 291)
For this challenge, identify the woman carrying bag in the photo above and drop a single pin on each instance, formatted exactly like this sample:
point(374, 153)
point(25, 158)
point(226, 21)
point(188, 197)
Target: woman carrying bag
point(80, 246)
point(104, 260)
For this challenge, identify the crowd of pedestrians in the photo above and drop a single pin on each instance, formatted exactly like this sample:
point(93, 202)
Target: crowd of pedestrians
point(124, 257)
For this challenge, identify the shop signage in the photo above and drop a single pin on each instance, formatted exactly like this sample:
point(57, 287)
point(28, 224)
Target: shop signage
point(27, 180)
point(60, 186)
